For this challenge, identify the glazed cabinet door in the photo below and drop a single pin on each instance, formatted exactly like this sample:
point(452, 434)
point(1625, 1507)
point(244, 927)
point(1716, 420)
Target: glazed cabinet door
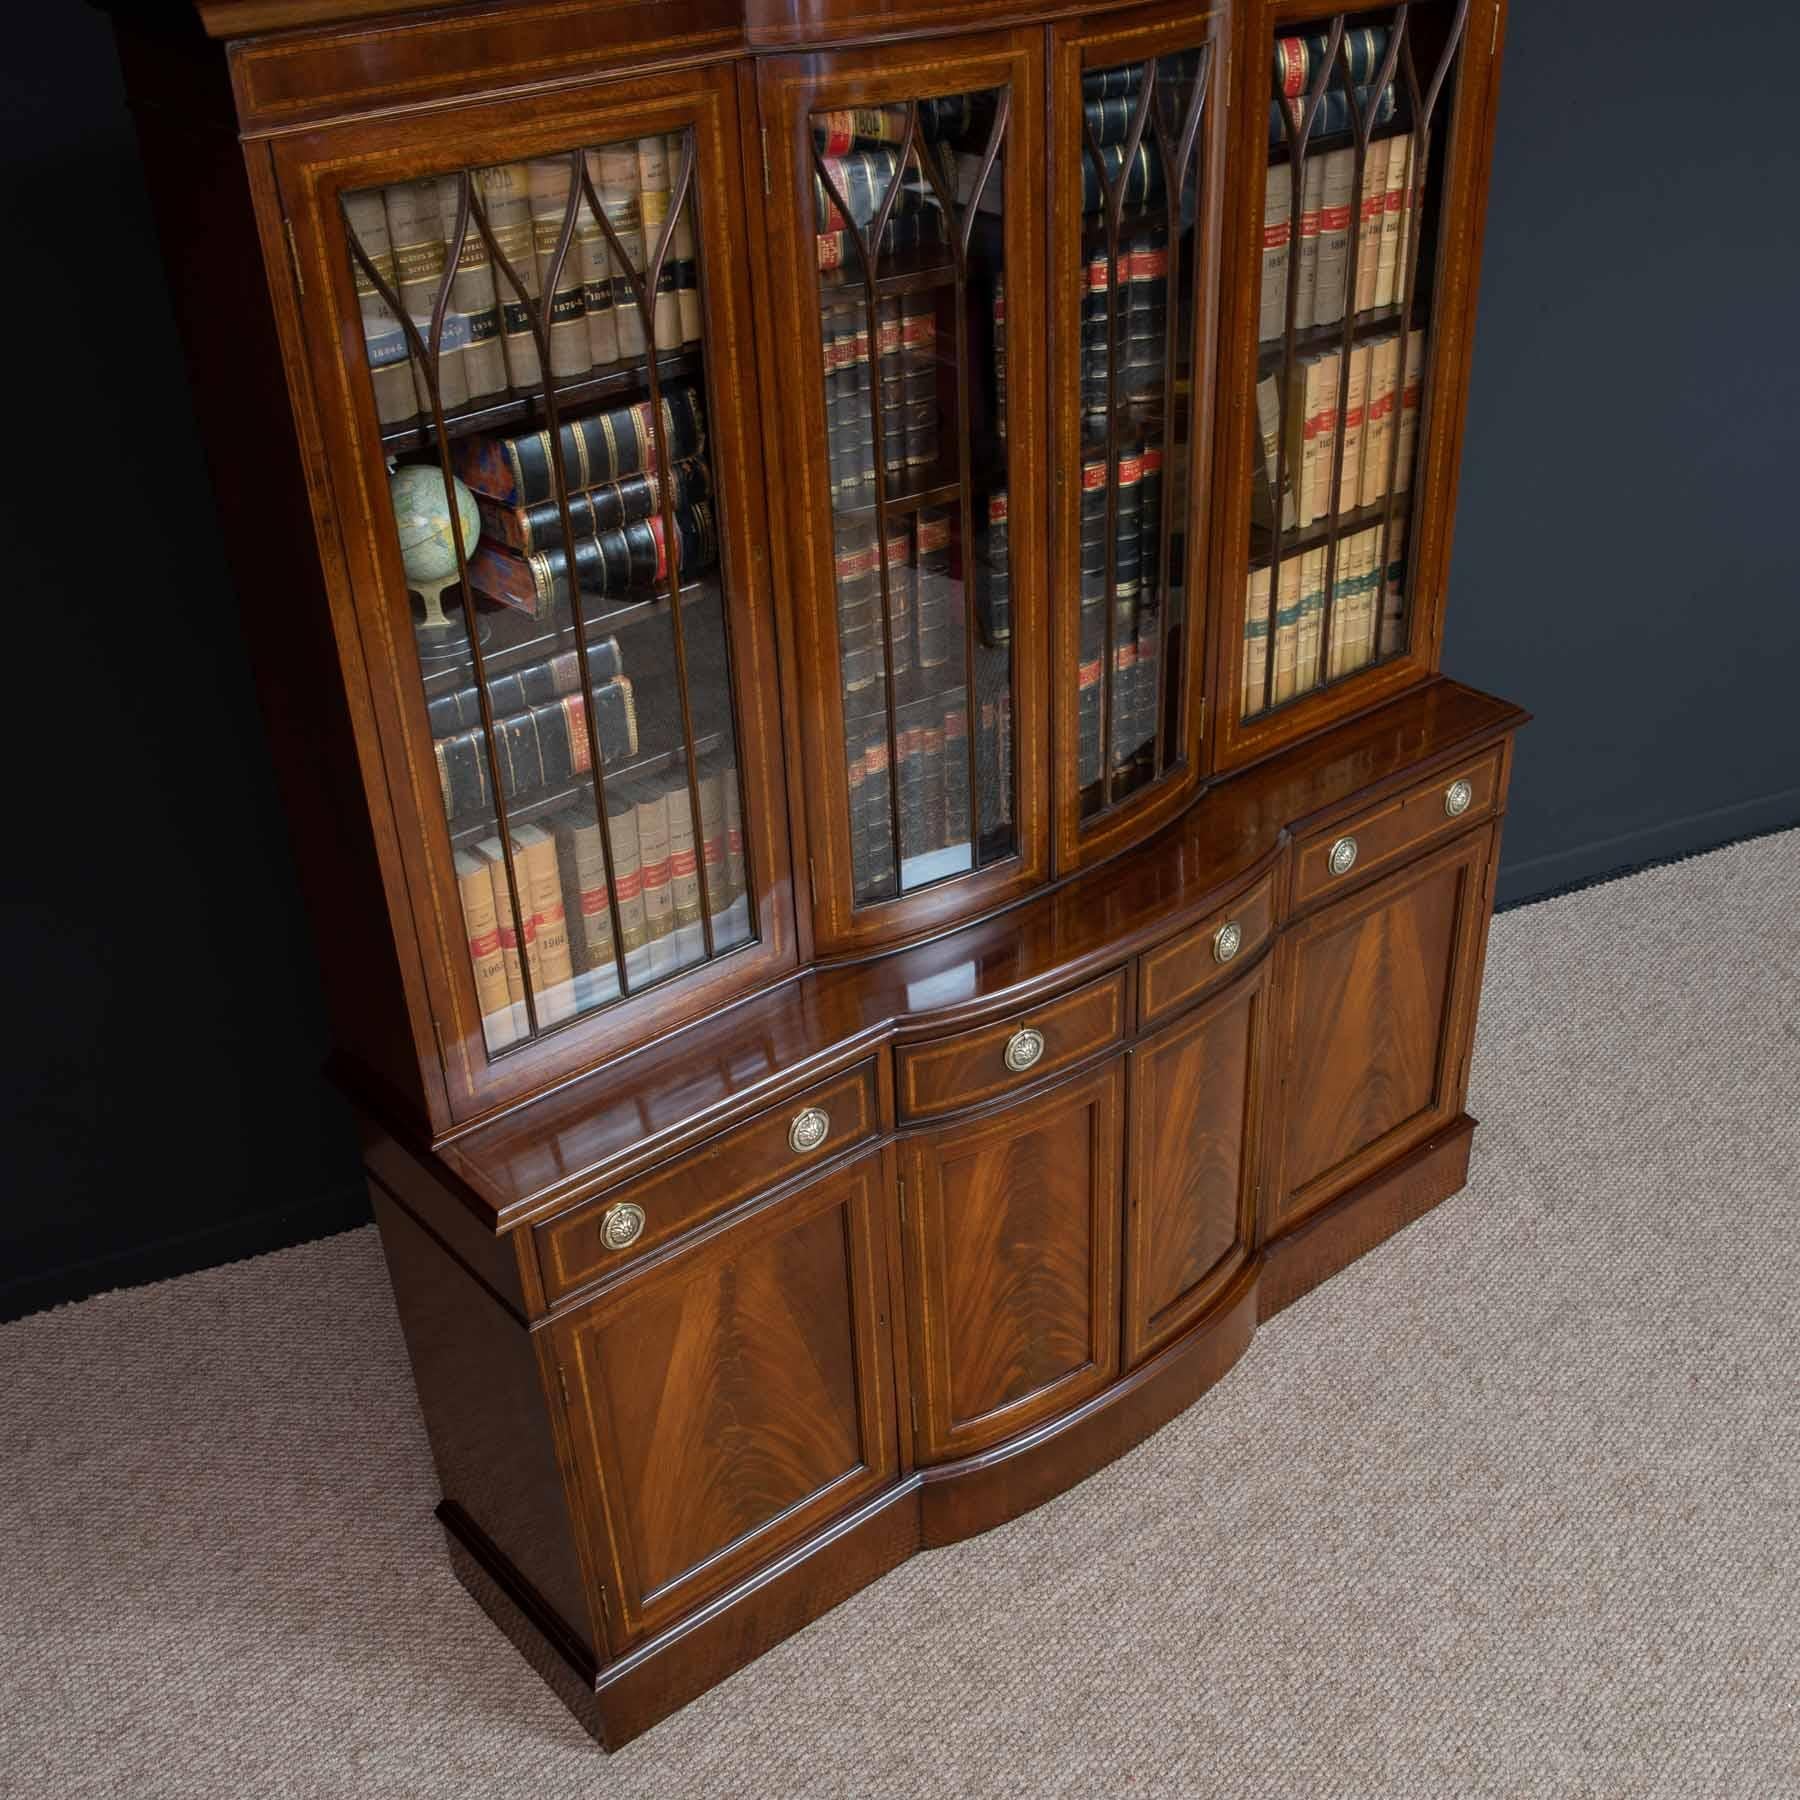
point(726, 1401)
point(905, 232)
point(1138, 129)
point(1361, 153)
point(1379, 992)
point(1012, 1235)
point(529, 361)
point(1196, 1129)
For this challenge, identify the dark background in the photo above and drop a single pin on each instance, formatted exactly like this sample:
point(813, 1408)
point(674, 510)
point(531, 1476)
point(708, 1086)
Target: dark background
point(1625, 566)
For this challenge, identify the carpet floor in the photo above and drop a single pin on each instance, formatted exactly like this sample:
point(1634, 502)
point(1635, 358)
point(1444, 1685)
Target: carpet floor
point(1510, 1507)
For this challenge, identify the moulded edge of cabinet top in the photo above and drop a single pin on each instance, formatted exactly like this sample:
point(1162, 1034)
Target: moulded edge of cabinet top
point(523, 1164)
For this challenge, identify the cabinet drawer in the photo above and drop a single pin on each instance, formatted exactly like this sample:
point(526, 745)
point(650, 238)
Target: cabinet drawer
point(616, 1227)
point(1175, 973)
point(1342, 856)
point(974, 1066)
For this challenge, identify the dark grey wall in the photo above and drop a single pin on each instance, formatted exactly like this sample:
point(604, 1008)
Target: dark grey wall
point(1625, 566)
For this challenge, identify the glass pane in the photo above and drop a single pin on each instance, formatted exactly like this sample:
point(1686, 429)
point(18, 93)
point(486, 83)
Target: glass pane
point(1358, 117)
point(584, 731)
point(912, 301)
point(1139, 283)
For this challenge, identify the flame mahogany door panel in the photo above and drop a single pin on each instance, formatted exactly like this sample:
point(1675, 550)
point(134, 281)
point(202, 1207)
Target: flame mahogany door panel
point(1012, 1239)
point(1378, 1016)
point(1196, 1124)
point(727, 1402)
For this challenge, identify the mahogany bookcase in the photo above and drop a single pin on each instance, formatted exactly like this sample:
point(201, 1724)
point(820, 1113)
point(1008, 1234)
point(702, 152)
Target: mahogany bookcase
point(848, 598)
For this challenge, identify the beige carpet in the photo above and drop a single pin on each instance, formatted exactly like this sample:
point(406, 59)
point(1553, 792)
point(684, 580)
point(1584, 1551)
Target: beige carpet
point(1511, 1507)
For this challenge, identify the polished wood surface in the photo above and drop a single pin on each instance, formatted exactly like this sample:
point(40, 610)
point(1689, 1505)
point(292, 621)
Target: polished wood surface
point(1012, 1231)
point(707, 1182)
point(1197, 1092)
point(948, 1074)
point(1379, 1012)
point(1177, 973)
point(1399, 827)
point(733, 1398)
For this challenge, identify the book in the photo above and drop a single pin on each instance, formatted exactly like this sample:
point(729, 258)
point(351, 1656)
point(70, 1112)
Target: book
point(506, 199)
point(609, 564)
point(1256, 641)
point(1393, 201)
point(1309, 392)
point(384, 341)
point(628, 877)
point(473, 296)
point(481, 926)
point(652, 804)
point(613, 174)
point(600, 448)
point(581, 859)
point(1309, 605)
point(416, 233)
point(1322, 423)
point(1285, 638)
point(1278, 195)
point(1140, 181)
point(1312, 203)
point(999, 358)
point(855, 186)
point(1406, 412)
point(591, 510)
point(1297, 58)
point(1262, 492)
point(554, 973)
point(536, 684)
point(544, 746)
point(1379, 419)
point(518, 929)
point(1370, 211)
point(1411, 196)
point(654, 177)
point(1309, 599)
point(1356, 399)
point(1336, 195)
point(684, 868)
point(686, 250)
point(599, 300)
point(1335, 115)
point(565, 305)
point(956, 767)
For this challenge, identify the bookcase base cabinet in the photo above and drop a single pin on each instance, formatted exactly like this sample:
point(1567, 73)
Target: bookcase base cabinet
point(990, 1225)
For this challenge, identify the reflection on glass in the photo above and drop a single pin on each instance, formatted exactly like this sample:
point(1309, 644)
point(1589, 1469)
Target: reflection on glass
point(908, 219)
point(1350, 203)
point(534, 340)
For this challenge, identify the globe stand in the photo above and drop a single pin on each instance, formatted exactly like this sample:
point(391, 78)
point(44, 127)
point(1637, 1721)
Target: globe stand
point(440, 637)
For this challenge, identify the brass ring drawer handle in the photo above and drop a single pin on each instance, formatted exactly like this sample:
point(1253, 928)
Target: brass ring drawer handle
point(1023, 1049)
point(1457, 798)
point(621, 1225)
point(1228, 940)
point(809, 1130)
point(1343, 856)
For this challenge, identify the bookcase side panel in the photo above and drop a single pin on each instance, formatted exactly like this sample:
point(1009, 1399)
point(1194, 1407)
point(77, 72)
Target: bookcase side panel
point(601, 756)
point(1360, 156)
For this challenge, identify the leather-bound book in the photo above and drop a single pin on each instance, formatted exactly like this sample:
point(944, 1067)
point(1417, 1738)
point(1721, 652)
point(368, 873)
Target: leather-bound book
point(1277, 235)
point(1406, 418)
point(1256, 641)
point(533, 685)
point(417, 234)
point(956, 767)
point(473, 298)
point(628, 873)
point(1378, 428)
point(684, 868)
point(603, 508)
point(608, 565)
point(1336, 201)
point(1355, 429)
point(481, 925)
point(613, 170)
point(654, 175)
point(598, 298)
point(1371, 211)
point(652, 805)
point(543, 747)
point(555, 970)
point(384, 342)
point(506, 197)
point(1306, 240)
point(685, 250)
point(565, 306)
point(603, 447)
point(1399, 163)
point(581, 860)
point(1310, 603)
point(519, 955)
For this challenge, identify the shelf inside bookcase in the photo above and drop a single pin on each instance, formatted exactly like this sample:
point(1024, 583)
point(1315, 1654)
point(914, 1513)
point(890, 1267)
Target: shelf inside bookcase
point(936, 485)
point(901, 272)
point(1321, 144)
point(1372, 322)
point(516, 637)
point(499, 412)
point(1322, 531)
point(534, 805)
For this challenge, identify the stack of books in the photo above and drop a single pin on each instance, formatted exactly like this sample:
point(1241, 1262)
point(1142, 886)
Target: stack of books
point(616, 493)
point(592, 320)
point(904, 361)
point(561, 938)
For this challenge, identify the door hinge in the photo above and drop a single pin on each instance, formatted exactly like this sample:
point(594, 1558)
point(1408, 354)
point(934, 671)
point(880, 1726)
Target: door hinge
point(767, 189)
point(562, 1381)
point(287, 225)
point(915, 1413)
point(902, 1199)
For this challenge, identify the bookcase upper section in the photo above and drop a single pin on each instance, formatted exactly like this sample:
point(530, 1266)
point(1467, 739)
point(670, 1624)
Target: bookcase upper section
point(793, 478)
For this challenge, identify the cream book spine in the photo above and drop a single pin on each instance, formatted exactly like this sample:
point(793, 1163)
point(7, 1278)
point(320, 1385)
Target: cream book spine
point(1378, 424)
point(536, 849)
point(416, 231)
point(1312, 202)
point(1256, 640)
point(1406, 411)
point(1325, 426)
point(1277, 246)
point(613, 170)
point(506, 198)
point(1356, 414)
point(686, 250)
point(1335, 208)
point(1311, 389)
point(475, 888)
point(390, 362)
point(1387, 290)
point(1311, 598)
point(1308, 604)
point(1369, 213)
point(518, 958)
point(598, 301)
point(565, 308)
